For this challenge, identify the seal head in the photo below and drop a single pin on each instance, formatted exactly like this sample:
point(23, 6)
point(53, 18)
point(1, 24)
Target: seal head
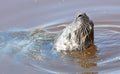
point(79, 35)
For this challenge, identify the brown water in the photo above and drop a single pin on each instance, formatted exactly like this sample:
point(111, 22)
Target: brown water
point(22, 52)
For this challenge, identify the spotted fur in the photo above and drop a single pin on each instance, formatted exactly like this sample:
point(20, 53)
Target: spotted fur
point(77, 36)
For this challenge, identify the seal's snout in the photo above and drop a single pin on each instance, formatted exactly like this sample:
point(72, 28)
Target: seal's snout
point(81, 15)
point(83, 18)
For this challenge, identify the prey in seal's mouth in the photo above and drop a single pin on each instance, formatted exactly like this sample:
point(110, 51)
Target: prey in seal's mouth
point(77, 36)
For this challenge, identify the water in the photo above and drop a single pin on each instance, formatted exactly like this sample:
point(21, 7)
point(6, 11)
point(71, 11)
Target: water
point(26, 48)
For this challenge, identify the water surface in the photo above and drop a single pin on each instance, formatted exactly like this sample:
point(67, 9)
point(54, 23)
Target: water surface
point(26, 47)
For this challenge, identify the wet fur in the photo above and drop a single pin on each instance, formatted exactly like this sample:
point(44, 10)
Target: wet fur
point(77, 36)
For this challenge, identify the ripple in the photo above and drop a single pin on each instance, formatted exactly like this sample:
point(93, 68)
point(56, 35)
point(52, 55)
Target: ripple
point(35, 49)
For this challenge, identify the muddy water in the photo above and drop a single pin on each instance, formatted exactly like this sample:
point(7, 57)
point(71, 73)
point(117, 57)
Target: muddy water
point(24, 48)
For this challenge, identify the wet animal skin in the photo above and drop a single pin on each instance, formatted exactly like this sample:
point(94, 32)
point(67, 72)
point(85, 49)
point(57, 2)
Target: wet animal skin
point(78, 35)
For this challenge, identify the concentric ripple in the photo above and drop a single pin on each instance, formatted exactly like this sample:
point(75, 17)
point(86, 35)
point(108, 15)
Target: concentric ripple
point(34, 46)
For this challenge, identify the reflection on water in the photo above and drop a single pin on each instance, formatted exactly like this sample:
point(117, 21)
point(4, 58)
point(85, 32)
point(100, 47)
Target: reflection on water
point(83, 59)
point(34, 47)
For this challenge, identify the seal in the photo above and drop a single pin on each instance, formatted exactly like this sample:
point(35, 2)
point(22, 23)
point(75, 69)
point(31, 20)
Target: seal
point(77, 36)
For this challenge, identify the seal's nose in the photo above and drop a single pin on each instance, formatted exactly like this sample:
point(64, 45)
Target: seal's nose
point(80, 15)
